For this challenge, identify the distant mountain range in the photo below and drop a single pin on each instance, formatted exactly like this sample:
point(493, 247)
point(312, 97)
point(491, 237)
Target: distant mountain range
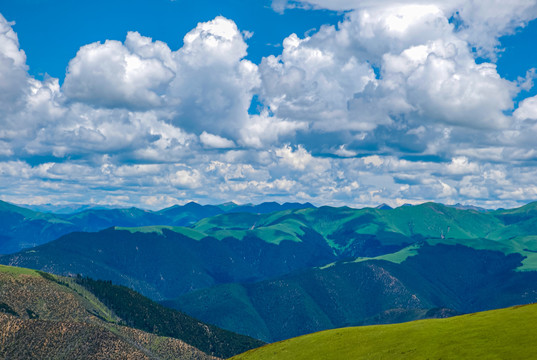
point(43, 316)
point(24, 228)
point(281, 274)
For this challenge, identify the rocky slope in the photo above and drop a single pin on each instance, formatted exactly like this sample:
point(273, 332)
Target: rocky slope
point(43, 316)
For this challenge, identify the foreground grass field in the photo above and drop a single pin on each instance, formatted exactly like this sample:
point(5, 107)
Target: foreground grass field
point(498, 334)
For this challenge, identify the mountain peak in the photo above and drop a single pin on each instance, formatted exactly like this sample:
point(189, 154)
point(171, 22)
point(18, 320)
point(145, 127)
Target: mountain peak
point(384, 206)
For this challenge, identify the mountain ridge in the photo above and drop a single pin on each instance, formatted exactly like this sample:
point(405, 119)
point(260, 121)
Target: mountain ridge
point(25, 228)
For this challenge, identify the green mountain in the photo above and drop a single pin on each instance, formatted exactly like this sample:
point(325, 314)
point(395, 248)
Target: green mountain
point(249, 247)
point(45, 316)
point(278, 275)
point(499, 334)
point(164, 263)
point(24, 228)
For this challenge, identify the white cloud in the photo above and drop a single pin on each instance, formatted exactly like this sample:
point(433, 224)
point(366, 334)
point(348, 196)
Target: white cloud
point(483, 21)
point(312, 81)
point(262, 130)
point(427, 74)
point(215, 141)
point(112, 74)
point(300, 159)
point(527, 109)
point(373, 160)
point(186, 178)
point(13, 76)
point(394, 91)
point(214, 85)
point(461, 166)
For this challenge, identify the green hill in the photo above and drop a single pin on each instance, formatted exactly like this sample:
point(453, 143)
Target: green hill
point(45, 316)
point(499, 334)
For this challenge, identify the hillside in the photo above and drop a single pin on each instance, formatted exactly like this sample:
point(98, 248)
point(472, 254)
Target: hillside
point(498, 334)
point(44, 316)
point(142, 313)
point(435, 281)
point(167, 263)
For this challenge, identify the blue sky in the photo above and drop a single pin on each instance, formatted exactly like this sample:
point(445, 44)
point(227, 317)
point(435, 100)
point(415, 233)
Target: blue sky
point(343, 102)
point(51, 32)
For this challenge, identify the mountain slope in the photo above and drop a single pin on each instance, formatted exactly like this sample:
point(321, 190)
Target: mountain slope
point(141, 313)
point(58, 318)
point(42, 339)
point(498, 334)
point(184, 263)
point(436, 281)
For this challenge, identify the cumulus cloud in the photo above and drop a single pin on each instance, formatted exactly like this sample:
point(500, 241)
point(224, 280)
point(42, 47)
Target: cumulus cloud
point(262, 130)
point(481, 22)
point(527, 109)
point(13, 68)
point(205, 87)
point(313, 82)
point(214, 84)
point(113, 74)
point(427, 73)
point(26, 104)
point(388, 106)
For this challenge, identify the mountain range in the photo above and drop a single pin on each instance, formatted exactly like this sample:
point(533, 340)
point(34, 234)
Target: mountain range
point(22, 227)
point(276, 275)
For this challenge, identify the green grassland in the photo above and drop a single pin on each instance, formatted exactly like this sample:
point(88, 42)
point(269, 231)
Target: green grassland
point(158, 229)
point(499, 334)
point(15, 271)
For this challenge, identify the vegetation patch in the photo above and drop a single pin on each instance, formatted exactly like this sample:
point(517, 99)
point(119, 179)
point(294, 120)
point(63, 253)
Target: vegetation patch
point(6, 309)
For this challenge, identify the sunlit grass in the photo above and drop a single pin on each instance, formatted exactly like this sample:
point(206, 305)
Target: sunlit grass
point(499, 334)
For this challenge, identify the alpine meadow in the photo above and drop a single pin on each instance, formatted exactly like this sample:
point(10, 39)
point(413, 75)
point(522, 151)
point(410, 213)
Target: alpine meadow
point(268, 179)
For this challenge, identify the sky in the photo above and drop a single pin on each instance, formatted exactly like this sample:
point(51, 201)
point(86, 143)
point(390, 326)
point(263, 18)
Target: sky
point(334, 102)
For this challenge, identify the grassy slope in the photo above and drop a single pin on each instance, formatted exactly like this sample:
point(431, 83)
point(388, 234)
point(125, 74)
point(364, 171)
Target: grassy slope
point(498, 334)
point(24, 228)
point(508, 231)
